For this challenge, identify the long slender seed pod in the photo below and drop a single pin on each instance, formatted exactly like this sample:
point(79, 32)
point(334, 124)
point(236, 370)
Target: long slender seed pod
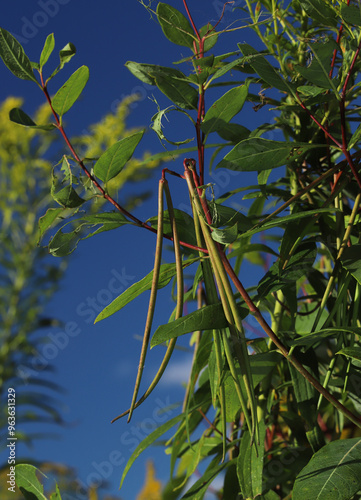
point(230, 310)
point(212, 298)
point(180, 300)
point(153, 296)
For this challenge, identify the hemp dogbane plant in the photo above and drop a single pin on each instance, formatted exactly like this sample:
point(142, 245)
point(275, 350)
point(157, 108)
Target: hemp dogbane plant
point(290, 399)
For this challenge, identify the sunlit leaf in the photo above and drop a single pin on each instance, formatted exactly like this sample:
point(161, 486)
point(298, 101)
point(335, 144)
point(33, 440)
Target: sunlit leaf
point(149, 440)
point(224, 109)
point(207, 318)
point(113, 160)
point(70, 91)
point(333, 473)
point(174, 25)
point(167, 271)
point(14, 57)
point(47, 49)
point(26, 481)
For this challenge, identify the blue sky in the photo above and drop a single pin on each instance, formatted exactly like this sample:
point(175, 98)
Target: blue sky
point(97, 364)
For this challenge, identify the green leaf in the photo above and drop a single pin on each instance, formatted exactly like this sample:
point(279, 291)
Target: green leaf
point(175, 26)
point(351, 14)
point(56, 495)
point(147, 73)
point(199, 488)
point(333, 473)
point(310, 90)
point(319, 69)
point(279, 277)
point(233, 132)
point(68, 197)
point(351, 260)
point(158, 127)
point(47, 50)
point(250, 463)
point(281, 221)
point(225, 236)
point(351, 352)
point(63, 244)
point(185, 225)
point(14, 57)
point(143, 445)
point(309, 339)
point(18, 116)
point(179, 92)
point(264, 69)
point(224, 109)
point(47, 220)
point(28, 483)
point(66, 54)
point(207, 318)
point(70, 91)
point(111, 163)
point(167, 271)
point(210, 40)
point(320, 11)
point(256, 154)
point(228, 216)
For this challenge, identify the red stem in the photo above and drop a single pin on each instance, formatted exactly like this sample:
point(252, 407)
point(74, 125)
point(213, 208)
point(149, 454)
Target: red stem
point(96, 183)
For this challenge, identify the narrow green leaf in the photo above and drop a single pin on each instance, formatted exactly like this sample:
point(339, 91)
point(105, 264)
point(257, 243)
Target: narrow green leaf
point(351, 352)
point(309, 339)
point(224, 109)
point(351, 260)
point(26, 480)
point(250, 463)
point(47, 49)
point(320, 11)
point(47, 220)
point(333, 473)
point(319, 69)
point(147, 73)
point(299, 264)
point(14, 57)
point(199, 488)
point(18, 116)
point(63, 244)
point(207, 318)
point(167, 271)
point(111, 163)
point(181, 93)
point(175, 26)
point(265, 70)
point(70, 91)
point(256, 154)
point(143, 445)
point(281, 221)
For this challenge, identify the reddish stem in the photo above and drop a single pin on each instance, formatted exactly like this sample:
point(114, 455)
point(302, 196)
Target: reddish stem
point(96, 183)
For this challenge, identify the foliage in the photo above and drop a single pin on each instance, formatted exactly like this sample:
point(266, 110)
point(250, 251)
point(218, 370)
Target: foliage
point(29, 277)
point(288, 400)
